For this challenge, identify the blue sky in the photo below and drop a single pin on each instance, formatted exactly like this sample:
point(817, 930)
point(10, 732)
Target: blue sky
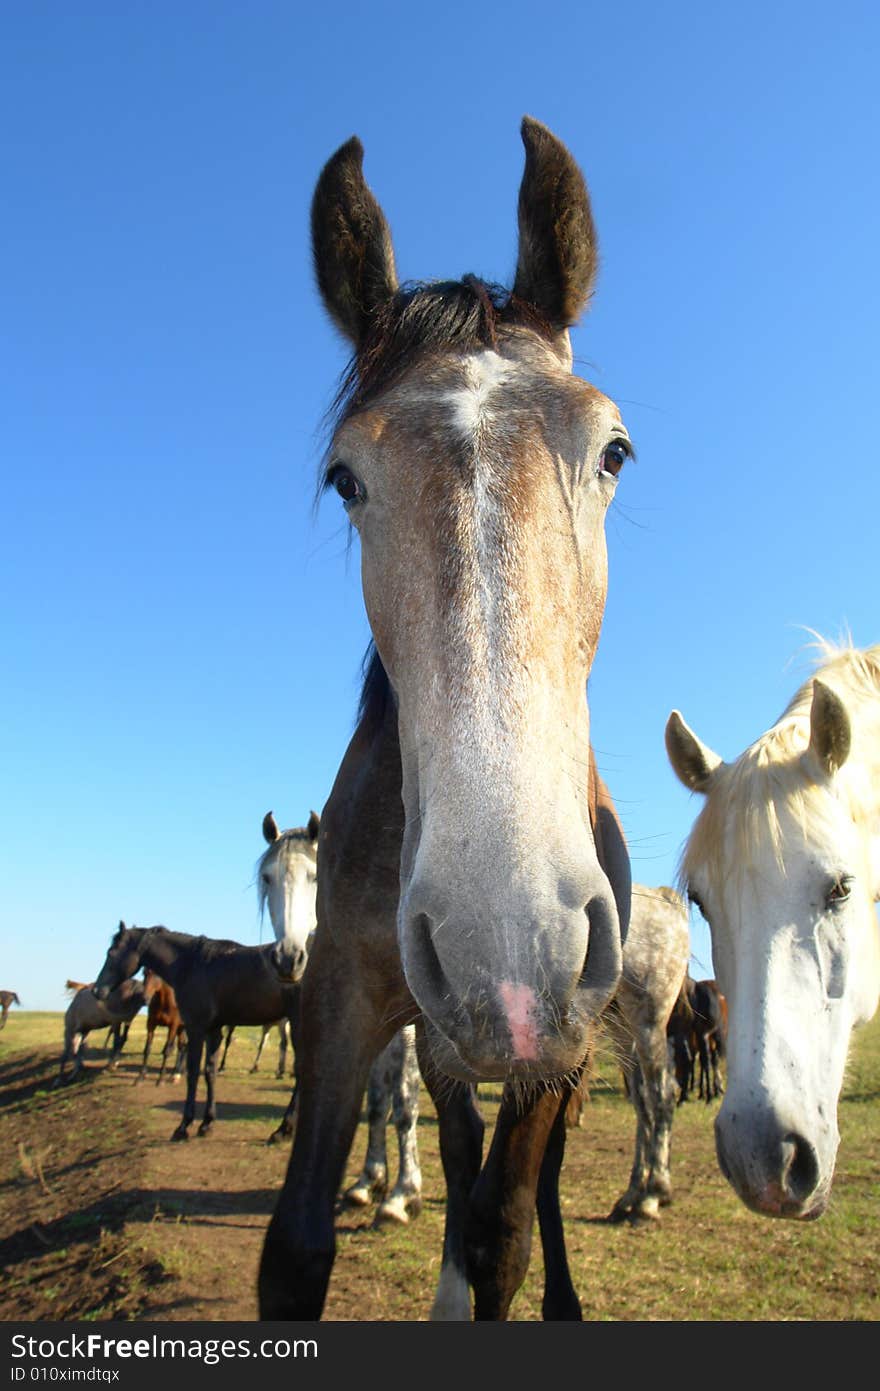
point(181, 631)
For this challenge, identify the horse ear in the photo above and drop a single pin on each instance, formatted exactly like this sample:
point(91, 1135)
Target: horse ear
point(693, 762)
point(314, 825)
point(270, 828)
point(558, 256)
point(351, 243)
point(830, 730)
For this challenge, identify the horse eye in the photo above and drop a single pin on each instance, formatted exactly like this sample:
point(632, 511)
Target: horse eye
point(347, 486)
point(266, 880)
point(614, 458)
point(839, 891)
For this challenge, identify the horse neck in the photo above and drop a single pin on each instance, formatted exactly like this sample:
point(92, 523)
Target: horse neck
point(162, 953)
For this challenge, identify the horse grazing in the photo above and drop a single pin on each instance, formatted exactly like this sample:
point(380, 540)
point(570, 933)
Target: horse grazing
point(784, 863)
point(162, 1013)
point(215, 983)
point(86, 1011)
point(7, 998)
point(478, 472)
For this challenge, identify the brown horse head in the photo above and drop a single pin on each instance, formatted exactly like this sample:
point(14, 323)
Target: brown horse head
point(478, 472)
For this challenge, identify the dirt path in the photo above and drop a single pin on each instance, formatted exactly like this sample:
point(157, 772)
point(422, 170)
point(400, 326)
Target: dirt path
point(101, 1216)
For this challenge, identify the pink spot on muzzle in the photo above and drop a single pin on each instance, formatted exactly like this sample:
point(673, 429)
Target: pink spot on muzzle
point(519, 1005)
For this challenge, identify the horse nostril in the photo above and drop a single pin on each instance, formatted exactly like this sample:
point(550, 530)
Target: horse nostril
point(801, 1167)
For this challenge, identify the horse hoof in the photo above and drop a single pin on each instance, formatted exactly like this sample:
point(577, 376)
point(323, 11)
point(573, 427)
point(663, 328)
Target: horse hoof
point(356, 1196)
point(203, 1131)
point(180, 1134)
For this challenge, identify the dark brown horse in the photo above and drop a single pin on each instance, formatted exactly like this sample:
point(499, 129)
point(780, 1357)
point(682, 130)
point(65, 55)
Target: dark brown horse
point(474, 877)
point(216, 983)
point(7, 998)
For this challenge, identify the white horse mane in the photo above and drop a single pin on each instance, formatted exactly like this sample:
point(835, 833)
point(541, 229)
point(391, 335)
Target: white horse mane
point(770, 785)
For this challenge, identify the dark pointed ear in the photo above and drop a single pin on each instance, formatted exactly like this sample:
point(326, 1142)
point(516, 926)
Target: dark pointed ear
point(270, 828)
point(351, 243)
point(314, 825)
point(121, 927)
point(830, 730)
point(558, 255)
point(694, 763)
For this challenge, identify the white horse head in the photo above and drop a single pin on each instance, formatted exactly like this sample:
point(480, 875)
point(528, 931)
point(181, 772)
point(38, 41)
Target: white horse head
point(784, 863)
point(287, 877)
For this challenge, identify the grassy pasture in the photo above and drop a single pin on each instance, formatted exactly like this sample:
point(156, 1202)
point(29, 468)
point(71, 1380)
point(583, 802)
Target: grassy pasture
point(186, 1215)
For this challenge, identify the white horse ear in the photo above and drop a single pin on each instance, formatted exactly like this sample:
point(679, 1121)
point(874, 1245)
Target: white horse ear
point(270, 828)
point(314, 825)
point(693, 762)
point(830, 730)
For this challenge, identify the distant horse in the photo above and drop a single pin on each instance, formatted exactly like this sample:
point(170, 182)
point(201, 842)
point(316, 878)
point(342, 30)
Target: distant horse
point(710, 1027)
point(86, 1012)
point(478, 472)
point(697, 1031)
point(163, 1013)
point(215, 982)
point(287, 879)
point(7, 998)
point(783, 862)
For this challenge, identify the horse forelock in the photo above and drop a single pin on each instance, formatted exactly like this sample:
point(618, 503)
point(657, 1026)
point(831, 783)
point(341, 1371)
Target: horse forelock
point(423, 318)
point(754, 801)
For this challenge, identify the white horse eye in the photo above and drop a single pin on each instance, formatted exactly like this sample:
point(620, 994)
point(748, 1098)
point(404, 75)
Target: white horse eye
point(838, 891)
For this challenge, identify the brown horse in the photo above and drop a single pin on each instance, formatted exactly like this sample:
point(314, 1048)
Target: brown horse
point(162, 1013)
point(7, 998)
point(474, 876)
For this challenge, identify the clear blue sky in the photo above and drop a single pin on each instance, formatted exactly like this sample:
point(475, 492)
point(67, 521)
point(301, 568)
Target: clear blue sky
point(181, 633)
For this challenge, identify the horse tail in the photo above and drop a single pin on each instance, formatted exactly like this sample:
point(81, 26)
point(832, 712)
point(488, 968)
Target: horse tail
point(683, 1008)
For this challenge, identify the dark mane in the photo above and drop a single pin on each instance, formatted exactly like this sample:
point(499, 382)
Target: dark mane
point(375, 692)
point(424, 316)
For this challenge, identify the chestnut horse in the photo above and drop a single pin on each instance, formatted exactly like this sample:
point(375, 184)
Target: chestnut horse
point(478, 472)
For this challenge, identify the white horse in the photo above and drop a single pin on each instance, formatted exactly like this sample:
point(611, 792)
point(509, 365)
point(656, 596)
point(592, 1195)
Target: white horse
point(784, 863)
point(287, 884)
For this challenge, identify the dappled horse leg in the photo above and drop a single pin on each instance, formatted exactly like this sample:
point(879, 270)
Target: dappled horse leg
point(405, 1199)
point(212, 1052)
point(372, 1182)
point(652, 1092)
point(332, 1067)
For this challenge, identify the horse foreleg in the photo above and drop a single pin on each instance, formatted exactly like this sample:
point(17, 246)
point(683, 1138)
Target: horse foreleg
point(460, 1132)
point(194, 1046)
point(260, 1046)
point(229, 1033)
point(560, 1297)
point(181, 1054)
point(283, 1042)
point(372, 1181)
point(502, 1208)
point(212, 1051)
point(405, 1199)
point(339, 1042)
point(147, 1046)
